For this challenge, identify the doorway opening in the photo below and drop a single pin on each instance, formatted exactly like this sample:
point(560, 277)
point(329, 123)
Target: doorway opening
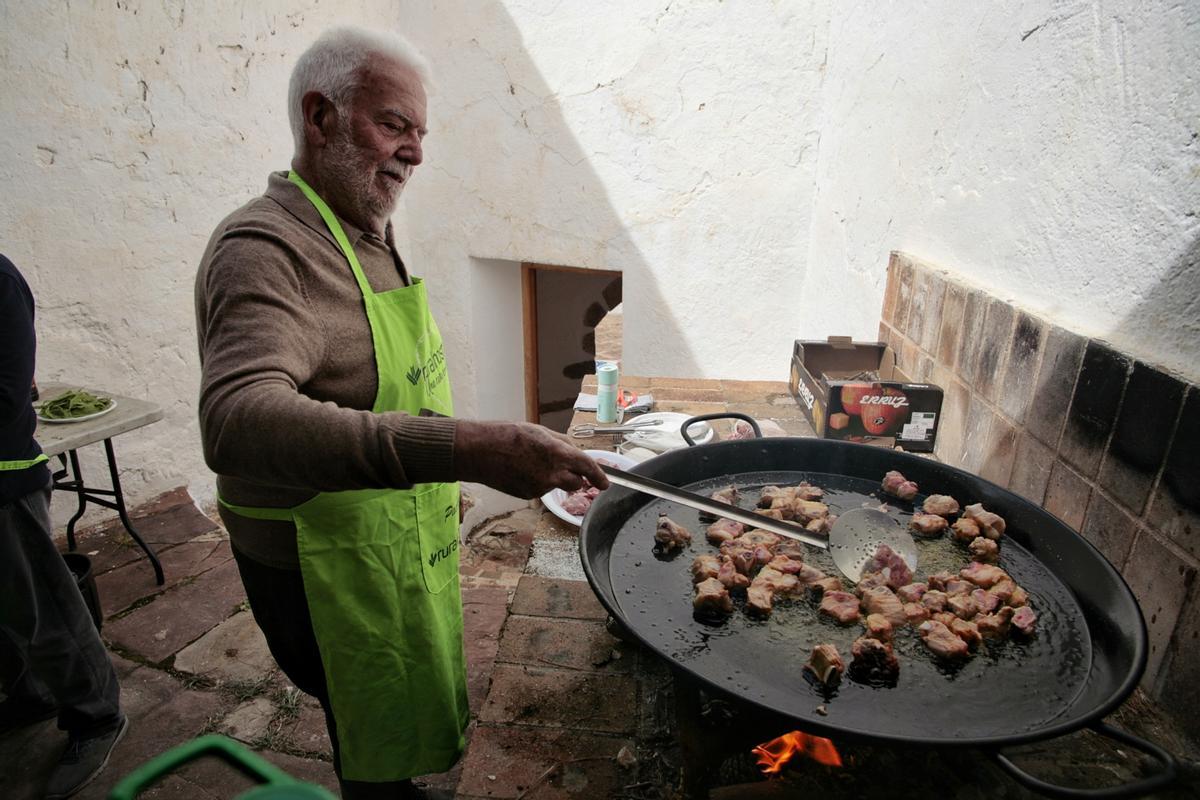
point(562, 308)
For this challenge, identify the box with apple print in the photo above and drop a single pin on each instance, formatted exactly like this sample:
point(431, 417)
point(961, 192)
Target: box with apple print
point(855, 391)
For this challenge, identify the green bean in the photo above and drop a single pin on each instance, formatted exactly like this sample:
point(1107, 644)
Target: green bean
point(73, 403)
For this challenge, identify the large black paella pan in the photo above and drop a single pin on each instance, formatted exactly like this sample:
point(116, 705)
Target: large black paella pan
point(1088, 655)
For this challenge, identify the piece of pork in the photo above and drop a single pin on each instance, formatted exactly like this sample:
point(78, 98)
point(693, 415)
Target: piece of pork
point(741, 555)
point(890, 565)
point(1003, 589)
point(712, 599)
point(897, 485)
point(878, 627)
point(982, 575)
point(1023, 621)
point(987, 603)
point(723, 530)
point(821, 525)
point(965, 530)
point(941, 641)
point(928, 526)
point(757, 536)
point(729, 576)
point(759, 599)
point(808, 575)
point(670, 535)
point(915, 613)
point(705, 567)
point(773, 513)
point(765, 587)
point(727, 495)
point(959, 586)
point(824, 586)
point(825, 664)
point(984, 550)
point(579, 501)
point(991, 525)
point(788, 566)
point(1018, 598)
point(883, 601)
point(869, 580)
point(938, 580)
point(994, 626)
point(912, 592)
point(935, 600)
point(944, 617)
point(962, 606)
point(967, 631)
point(873, 662)
point(792, 549)
point(842, 606)
point(941, 504)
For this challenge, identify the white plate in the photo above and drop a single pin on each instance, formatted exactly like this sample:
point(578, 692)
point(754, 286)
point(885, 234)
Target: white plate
point(111, 406)
point(664, 437)
point(555, 497)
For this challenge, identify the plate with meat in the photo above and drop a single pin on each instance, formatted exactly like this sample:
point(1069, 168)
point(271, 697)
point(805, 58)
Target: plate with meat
point(572, 506)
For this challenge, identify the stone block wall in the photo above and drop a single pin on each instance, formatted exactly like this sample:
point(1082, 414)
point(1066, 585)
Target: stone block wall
point(1107, 443)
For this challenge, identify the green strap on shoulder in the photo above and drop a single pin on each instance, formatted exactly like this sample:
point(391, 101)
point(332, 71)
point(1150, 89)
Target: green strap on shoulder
point(255, 512)
point(13, 466)
point(335, 227)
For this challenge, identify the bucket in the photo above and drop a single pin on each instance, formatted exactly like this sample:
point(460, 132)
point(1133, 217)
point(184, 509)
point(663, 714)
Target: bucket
point(81, 567)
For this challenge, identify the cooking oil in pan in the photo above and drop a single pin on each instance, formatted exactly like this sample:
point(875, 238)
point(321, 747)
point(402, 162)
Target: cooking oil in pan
point(1006, 688)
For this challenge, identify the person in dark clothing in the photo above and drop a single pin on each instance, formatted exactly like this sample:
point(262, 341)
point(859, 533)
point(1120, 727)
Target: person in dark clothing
point(52, 662)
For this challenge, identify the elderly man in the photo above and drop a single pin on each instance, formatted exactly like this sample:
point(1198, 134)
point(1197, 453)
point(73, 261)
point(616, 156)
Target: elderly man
point(325, 411)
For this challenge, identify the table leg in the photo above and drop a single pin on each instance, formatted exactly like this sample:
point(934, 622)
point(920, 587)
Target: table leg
point(77, 486)
point(120, 508)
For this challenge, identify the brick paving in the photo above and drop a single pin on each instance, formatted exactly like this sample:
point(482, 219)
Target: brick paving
point(561, 708)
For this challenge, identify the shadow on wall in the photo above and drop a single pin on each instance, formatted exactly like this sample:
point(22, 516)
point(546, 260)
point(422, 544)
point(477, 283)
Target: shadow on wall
point(509, 170)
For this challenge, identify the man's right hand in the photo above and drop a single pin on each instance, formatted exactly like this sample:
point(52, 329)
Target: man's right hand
point(521, 459)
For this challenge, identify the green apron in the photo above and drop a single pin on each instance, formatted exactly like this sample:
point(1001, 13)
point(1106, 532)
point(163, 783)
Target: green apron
point(13, 466)
point(380, 569)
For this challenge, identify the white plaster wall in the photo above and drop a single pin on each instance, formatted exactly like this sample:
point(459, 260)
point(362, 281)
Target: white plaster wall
point(1048, 151)
point(673, 142)
point(130, 129)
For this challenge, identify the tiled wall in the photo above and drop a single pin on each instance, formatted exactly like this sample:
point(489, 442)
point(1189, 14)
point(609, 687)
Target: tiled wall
point(1109, 444)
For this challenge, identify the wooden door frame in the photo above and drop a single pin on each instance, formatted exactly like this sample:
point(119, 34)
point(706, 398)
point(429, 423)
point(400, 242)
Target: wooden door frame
point(529, 325)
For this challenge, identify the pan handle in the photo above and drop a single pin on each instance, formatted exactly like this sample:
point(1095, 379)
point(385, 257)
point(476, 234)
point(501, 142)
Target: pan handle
point(683, 429)
point(1136, 788)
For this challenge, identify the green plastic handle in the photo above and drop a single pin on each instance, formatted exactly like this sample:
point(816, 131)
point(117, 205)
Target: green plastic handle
point(212, 744)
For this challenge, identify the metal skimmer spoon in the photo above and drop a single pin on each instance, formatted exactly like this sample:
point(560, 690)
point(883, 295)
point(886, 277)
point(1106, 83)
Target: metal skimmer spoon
point(854, 538)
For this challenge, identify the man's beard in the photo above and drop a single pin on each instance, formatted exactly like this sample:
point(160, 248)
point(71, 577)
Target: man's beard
point(356, 178)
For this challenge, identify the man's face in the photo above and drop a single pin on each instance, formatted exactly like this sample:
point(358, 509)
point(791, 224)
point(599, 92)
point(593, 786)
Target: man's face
point(377, 143)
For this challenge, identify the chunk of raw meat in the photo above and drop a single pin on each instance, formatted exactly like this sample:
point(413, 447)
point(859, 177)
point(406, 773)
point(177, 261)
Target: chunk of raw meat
point(792, 549)
point(756, 536)
point(825, 664)
point(987, 603)
point(941, 641)
point(991, 525)
point(821, 525)
point(579, 501)
point(805, 511)
point(773, 513)
point(984, 550)
point(982, 575)
point(788, 566)
point(941, 504)
point(890, 565)
point(882, 601)
point(770, 494)
point(878, 627)
point(729, 576)
point(1018, 598)
point(1023, 620)
point(742, 430)
point(705, 567)
point(935, 600)
point(671, 535)
point(915, 613)
point(967, 631)
point(806, 491)
point(896, 484)
point(966, 530)
point(759, 599)
point(913, 592)
point(962, 606)
point(723, 530)
point(869, 580)
point(842, 606)
point(826, 585)
point(727, 495)
point(873, 662)
point(768, 584)
point(712, 599)
point(1003, 589)
point(944, 617)
point(938, 580)
point(742, 555)
point(959, 586)
point(809, 575)
point(994, 626)
point(928, 526)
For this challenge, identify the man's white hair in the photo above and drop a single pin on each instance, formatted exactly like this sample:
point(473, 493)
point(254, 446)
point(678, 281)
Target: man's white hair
point(331, 66)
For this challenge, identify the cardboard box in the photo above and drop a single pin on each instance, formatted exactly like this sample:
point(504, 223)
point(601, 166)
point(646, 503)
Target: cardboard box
point(855, 391)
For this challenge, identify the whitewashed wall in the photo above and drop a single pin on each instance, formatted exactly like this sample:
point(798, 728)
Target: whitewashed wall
point(748, 166)
point(1048, 151)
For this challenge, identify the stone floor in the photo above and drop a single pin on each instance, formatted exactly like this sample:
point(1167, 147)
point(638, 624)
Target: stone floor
point(561, 709)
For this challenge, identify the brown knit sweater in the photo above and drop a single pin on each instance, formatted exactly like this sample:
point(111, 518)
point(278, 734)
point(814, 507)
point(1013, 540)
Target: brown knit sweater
point(288, 370)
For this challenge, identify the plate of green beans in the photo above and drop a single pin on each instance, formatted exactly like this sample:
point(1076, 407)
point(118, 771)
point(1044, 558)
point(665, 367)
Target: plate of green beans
point(74, 405)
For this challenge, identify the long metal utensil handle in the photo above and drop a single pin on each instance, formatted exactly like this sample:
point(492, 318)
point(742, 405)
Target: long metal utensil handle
point(692, 500)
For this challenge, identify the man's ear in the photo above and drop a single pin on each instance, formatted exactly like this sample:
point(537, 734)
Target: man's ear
point(319, 118)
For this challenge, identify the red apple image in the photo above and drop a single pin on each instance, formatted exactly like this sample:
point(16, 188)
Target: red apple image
point(882, 410)
point(852, 394)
